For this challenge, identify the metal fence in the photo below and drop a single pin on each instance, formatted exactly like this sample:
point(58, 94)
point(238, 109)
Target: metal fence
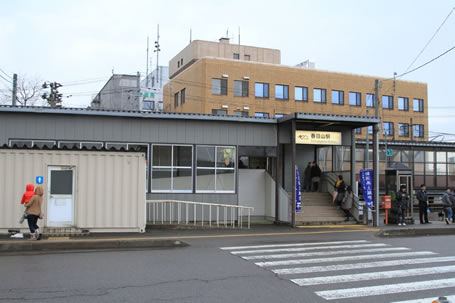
point(197, 213)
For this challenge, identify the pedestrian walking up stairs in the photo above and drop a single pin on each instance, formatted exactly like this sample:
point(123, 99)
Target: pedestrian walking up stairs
point(356, 270)
point(318, 209)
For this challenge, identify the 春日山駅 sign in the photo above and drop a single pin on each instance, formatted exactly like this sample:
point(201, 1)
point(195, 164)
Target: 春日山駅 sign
point(317, 137)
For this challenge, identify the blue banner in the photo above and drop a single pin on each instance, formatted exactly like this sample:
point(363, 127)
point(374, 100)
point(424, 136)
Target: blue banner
point(366, 181)
point(298, 198)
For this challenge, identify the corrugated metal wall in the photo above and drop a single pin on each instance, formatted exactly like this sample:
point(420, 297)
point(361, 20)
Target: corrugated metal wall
point(126, 129)
point(109, 191)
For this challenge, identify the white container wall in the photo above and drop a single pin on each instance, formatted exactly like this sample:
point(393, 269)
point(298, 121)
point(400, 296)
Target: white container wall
point(108, 187)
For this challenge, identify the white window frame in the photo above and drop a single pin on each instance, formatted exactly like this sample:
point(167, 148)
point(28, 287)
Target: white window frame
point(171, 167)
point(216, 169)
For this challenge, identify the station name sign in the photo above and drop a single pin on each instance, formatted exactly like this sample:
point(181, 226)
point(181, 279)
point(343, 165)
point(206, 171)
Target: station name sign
point(317, 137)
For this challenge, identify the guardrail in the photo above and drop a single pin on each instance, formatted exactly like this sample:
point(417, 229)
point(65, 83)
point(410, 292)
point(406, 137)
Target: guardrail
point(185, 212)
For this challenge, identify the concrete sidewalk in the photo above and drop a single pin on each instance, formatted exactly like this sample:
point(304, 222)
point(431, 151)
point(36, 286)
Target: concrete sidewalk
point(170, 237)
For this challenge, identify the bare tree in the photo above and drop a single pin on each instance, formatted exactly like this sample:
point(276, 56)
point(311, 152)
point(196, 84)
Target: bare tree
point(28, 92)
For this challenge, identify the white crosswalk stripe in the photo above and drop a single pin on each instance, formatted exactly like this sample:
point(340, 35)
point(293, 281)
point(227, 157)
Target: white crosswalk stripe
point(427, 300)
point(353, 262)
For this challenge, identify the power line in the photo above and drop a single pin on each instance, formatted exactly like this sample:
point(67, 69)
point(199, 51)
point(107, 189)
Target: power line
point(420, 66)
point(1, 70)
point(6, 79)
point(431, 39)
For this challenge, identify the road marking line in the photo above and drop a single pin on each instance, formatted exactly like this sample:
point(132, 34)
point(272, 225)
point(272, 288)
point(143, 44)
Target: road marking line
point(374, 275)
point(324, 253)
point(426, 300)
point(293, 244)
point(332, 226)
point(344, 258)
point(305, 270)
point(307, 248)
point(385, 289)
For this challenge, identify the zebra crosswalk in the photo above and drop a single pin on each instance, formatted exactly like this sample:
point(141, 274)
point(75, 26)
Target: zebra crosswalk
point(340, 270)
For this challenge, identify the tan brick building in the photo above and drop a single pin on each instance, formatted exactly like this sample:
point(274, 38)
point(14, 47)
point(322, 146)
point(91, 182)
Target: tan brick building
point(227, 79)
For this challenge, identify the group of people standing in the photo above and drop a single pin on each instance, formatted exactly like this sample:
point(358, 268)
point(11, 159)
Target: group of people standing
point(311, 177)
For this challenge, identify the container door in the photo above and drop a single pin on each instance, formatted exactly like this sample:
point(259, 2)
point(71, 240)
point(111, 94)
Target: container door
point(60, 210)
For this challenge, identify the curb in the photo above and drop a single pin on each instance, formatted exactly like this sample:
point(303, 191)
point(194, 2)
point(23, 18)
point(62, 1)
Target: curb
point(89, 244)
point(415, 232)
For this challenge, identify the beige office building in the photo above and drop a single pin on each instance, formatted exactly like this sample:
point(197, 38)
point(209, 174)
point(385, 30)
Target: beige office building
point(229, 79)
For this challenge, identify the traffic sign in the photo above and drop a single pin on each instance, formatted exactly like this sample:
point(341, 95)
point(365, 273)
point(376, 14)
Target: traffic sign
point(388, 153)
point(39, 179)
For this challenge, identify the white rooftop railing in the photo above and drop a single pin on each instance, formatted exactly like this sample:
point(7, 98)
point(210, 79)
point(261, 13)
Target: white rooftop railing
point(197, 213)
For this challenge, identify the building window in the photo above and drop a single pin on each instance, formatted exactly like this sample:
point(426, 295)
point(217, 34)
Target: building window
point(418, 105)
point(281, 92)
point(261, 90)
point(358, 131)
point(301, 93)
point(418, 130)
point(403, 103)
point(355, 99)
point(219, 112)
point(183, 96)
point(176, 99)
point(181, 62)
point(319, 95)
point(178, 63)
point(387, 102)
point(219, 86)
point(403, 129)
point(262, 115)
point(240, 88)
point(172, 168)
point(236, 56)
point(279, 116)
point(215, 172)
point(387, 128)
point(246, 57)
point(370, 100)
point(337, 97)
point(240, 113)
point(148, 105)
point(370, 129)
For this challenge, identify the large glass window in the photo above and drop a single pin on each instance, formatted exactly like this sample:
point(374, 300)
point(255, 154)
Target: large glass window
point(240, 88)
point(403, 129)
point(369, 100)
point(215, 169)
point(282, 92)
point(342, 158)
point(418, 105)
point(172, 168)
point(301, 93)
point(219, 86)
point(219, 112)
point(325, 158)
point(355, 99)
point(403, 103)
point(337, 97)
point(418, 130)
point(387, 128)
point(319, 95)
point(261, 115)
point(387, 102)
point(261, 90)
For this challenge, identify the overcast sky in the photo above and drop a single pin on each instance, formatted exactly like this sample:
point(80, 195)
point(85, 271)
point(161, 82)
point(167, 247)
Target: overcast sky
point(73, 41)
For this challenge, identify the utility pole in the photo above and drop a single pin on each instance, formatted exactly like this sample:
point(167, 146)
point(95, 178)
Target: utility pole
point(376, 156)
point(147, 64)
point(14, 89)
point(157, 51)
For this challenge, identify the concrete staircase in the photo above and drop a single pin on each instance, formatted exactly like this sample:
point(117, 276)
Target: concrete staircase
point(318, 209)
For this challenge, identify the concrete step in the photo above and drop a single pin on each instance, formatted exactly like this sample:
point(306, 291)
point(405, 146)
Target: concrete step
point(324, 222)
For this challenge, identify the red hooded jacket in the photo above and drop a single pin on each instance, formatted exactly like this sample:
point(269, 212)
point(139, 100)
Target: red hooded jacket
point(29, 192)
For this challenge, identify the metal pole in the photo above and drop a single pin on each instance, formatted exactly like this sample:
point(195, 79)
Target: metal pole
point(376, 157)
point(294, 156)
point(353, 159)
point(14, 89)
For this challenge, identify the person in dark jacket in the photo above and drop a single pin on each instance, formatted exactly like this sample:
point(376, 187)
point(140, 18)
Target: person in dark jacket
point(452, 199)
point(340, 189)
point(423, 204)
point(307, 177)
point(403, 200)
point(315, 176)
point(348, 202)
point(447, 204)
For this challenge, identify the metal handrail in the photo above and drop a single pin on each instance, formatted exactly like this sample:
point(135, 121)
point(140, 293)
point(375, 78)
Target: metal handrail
point(157, 212)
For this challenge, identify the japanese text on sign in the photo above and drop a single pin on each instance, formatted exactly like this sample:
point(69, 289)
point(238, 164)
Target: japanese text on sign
point(317, 137)
point(366, 180)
